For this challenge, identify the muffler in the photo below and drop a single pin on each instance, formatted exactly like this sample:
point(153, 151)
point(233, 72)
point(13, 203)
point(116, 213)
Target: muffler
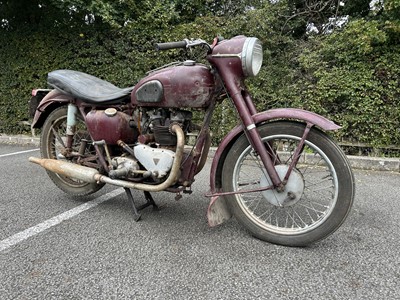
point(67, 169)
point(92, 175)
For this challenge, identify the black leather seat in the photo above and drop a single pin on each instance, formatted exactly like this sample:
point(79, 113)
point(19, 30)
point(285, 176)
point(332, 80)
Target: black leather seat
point(87, 87)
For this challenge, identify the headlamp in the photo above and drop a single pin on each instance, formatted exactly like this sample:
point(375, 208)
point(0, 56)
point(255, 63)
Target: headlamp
point(252, 56)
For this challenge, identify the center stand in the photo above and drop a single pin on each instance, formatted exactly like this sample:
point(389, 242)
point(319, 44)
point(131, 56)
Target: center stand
point(136, 209)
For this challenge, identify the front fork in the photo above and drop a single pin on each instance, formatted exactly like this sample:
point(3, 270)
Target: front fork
point(247, 110)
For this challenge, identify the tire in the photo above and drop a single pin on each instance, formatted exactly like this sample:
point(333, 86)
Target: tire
point(321, 186)
point(50, 147)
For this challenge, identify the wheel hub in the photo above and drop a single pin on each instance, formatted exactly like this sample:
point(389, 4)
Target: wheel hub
point(293, 189)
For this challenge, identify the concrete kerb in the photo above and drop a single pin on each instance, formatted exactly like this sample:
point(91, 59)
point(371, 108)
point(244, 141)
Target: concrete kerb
point(375, 163)
point(357, 162)
point(24, 140)
point(363, 163)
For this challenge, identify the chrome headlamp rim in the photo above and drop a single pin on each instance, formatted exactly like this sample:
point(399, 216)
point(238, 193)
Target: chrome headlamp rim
point(251, 56)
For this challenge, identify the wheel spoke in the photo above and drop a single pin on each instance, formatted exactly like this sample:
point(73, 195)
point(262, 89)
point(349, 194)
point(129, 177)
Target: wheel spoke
point(58, 137)
point(306, 212)
point(57, 144)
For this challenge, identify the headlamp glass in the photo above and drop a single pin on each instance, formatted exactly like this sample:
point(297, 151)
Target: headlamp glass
point(252, 56)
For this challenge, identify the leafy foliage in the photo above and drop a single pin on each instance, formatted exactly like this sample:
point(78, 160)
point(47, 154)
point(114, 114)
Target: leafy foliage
point(351, 76)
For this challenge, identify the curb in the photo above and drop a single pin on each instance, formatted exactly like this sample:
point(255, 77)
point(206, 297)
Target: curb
point(375, 163)
point(23, 140)
point(356, 162)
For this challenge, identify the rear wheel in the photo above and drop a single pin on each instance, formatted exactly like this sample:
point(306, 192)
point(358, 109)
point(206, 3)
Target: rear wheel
point(52, 143)
point(318, 195)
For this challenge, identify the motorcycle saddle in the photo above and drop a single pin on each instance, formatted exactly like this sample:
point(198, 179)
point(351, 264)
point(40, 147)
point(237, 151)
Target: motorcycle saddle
point(86, 87)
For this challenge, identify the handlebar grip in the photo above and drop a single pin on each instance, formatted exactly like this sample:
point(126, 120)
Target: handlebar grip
point(171, 45)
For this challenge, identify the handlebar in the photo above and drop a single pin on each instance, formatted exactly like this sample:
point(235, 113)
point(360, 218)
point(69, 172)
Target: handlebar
point(171, 45)
point(181, 44)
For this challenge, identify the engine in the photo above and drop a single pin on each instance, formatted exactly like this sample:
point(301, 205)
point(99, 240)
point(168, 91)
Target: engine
point(140, 145)
point(156, 148)
point(157, 122)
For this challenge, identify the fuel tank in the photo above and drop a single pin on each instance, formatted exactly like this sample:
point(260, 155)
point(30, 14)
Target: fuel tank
point(110, 125)
point(188, 85)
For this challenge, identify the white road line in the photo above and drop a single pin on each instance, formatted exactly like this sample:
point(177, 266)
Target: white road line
point(19, 152)
point(32, 231)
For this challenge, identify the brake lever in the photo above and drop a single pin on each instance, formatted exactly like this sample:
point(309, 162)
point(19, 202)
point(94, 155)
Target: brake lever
point(198, 42)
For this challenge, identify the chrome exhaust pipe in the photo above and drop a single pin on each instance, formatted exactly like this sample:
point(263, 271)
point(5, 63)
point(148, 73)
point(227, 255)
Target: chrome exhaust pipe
point(92, 175)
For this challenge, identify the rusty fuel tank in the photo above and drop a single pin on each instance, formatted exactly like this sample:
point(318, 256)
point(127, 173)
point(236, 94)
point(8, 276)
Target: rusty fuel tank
point(189, 85)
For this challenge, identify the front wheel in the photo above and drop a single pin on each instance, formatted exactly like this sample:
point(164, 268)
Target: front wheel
point(318, 194)
point(52, 144)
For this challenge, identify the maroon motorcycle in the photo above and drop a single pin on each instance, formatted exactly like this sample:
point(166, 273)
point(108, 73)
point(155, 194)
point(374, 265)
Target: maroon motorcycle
point(283, 178)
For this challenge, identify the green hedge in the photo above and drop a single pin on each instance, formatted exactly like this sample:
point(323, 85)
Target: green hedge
point(352, 76)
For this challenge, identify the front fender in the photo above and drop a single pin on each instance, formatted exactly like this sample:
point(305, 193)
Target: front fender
point(51, 101)
point(217, 210)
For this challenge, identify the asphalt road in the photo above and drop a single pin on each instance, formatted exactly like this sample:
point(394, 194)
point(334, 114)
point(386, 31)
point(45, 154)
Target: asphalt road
point(56, 247)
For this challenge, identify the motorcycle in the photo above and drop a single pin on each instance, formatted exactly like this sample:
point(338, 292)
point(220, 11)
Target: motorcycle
point(278, 172)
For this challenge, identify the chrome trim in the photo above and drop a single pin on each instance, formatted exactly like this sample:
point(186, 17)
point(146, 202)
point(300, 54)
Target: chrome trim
point(219, 55)
point(251, 126)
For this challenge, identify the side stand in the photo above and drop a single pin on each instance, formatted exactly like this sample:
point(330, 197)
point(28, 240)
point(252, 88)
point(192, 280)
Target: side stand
point(149, 201)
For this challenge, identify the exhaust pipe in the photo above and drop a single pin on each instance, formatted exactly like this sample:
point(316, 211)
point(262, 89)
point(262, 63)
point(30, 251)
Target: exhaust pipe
point(92, 175)
point(67, 169)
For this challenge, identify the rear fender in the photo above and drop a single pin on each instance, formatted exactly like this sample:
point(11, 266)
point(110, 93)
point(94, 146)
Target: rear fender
point(50, 102)
point(217, 210)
